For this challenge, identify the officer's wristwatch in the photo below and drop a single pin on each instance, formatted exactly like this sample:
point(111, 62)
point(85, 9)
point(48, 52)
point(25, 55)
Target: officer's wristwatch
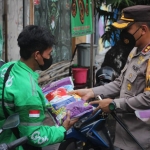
point(112, 106)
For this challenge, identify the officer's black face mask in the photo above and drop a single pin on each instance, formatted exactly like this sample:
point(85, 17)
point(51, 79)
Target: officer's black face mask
point(47, 63)
point(128, 39)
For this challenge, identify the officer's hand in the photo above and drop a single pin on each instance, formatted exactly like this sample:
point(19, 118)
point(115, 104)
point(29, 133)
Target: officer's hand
point(102, 104)
point(67, 124)
point(85, 94)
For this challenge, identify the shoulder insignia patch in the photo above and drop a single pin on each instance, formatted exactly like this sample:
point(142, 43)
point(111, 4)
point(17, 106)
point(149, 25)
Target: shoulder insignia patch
point(131, 55)
point(141, 59)
point(147, 88)
point(146, 49)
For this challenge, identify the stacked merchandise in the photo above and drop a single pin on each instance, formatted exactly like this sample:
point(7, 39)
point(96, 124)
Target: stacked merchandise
point(58, 101)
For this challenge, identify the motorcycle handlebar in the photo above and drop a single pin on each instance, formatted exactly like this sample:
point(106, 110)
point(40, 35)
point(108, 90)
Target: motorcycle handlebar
point(17, 142)
point(14, 144)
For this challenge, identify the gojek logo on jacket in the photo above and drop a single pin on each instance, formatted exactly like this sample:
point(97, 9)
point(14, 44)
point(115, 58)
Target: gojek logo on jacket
point(38, 139)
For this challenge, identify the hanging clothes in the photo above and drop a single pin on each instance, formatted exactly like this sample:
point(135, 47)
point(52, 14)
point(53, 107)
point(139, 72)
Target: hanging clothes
point(101, 28)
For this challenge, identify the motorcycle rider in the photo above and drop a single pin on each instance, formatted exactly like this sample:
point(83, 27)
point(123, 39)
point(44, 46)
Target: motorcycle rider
point(22, 94)
point(131, 90)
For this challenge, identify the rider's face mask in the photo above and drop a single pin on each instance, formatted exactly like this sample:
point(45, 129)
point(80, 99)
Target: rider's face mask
point(128, 39)
point(47, 63)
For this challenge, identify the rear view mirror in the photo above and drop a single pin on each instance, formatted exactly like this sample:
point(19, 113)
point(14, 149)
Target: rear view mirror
point(11, 122)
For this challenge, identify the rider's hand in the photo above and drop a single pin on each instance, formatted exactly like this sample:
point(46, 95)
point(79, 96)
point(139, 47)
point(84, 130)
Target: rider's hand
point(102, 104)
point(85, 94)
point(67, 124)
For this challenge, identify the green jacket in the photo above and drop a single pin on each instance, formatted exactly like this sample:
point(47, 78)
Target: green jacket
point(23, 95)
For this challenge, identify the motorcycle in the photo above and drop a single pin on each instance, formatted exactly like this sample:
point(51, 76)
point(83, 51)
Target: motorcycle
point(90, 132)
point(12, 122)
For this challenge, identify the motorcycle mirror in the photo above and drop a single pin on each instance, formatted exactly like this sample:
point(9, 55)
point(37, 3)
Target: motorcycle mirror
point(11, 122)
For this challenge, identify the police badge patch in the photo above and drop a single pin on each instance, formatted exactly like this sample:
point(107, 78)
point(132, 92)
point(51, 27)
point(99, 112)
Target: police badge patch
point(145, 50)
point(147, 88)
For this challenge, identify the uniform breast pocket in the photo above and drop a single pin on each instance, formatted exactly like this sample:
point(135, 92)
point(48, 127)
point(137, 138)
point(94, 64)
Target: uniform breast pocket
point(130, 83)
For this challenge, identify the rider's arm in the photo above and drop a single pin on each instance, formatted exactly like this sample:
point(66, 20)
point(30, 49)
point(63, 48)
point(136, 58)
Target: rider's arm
point(31, 117)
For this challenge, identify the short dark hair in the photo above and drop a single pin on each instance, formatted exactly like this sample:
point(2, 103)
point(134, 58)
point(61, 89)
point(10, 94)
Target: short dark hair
point(34, 38)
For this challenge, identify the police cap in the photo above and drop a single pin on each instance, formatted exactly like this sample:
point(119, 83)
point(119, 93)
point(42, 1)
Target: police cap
point(137, 13)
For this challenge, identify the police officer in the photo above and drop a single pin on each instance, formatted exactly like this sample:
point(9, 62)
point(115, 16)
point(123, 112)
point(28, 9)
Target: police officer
point(131, 91)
